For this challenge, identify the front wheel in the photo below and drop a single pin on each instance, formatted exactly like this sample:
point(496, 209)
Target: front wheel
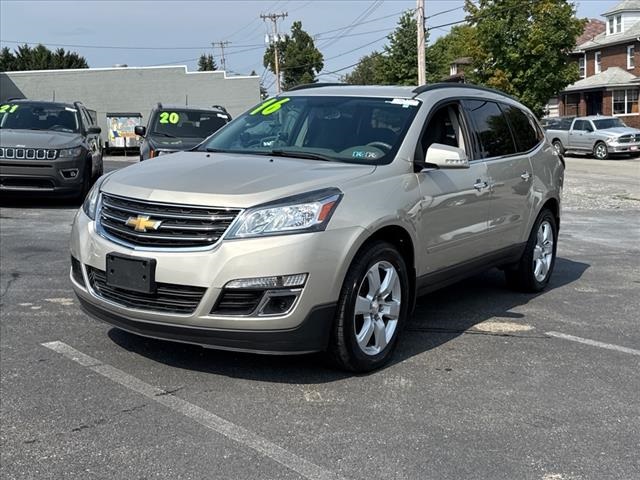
point(372, 309)
point(600, 151)
point(557, 144)
point(533, 271)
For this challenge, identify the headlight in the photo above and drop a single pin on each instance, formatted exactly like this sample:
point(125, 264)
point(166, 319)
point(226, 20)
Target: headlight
point(91, 200)
point(70, 152)
point(164, 152)
point(611, 140)
point(309, 212)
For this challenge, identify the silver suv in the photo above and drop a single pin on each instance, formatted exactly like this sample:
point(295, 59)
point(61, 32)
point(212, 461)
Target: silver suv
point(314, 220)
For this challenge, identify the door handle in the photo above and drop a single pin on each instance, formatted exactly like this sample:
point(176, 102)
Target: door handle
point(525, 176)
point(479, 185)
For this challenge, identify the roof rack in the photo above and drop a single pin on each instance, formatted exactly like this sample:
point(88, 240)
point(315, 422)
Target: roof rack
point(316, 85)
point(220, 107)
point(436, 86)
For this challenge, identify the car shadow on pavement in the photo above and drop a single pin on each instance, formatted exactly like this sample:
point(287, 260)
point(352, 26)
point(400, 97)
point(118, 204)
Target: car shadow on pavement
point(438, 318)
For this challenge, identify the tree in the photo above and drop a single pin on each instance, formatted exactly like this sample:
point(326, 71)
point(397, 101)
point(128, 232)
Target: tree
point(39, 58)
point(300, 60)
point(459, 42)
point(524, 47)
point(368, 72)
point(206, 63)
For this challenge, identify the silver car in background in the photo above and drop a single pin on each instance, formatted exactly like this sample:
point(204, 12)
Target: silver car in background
point(597, 135)
point(314, 220)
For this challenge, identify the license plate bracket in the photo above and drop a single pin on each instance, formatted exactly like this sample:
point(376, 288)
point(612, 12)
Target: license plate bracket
point(131, 273)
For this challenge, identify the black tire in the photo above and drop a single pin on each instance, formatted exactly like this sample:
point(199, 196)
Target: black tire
point(87, 182)
point(522, 276)
point(344, 351)
point(557, 144)
point(600, 151)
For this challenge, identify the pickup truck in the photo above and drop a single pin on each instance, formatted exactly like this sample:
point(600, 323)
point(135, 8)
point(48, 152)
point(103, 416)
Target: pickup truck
point(598, 135)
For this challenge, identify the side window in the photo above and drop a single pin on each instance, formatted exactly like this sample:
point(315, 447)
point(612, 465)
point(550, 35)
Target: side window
point(445, 127)
point(579, 125)
point(523, 128)
point(86, 121)
point(491, 127)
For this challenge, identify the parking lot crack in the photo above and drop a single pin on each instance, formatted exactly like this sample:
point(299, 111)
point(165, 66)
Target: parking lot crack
point(169, 392)
point(470, 332)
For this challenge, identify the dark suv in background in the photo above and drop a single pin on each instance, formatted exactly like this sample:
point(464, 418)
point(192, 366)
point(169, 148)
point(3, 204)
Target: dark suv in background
point(48, 147)
point(172, 129)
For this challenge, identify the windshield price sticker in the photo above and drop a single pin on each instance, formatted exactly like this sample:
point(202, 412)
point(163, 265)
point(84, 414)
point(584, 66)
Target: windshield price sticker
point(8, 108)
point(270, 106)
point(364, 154)
point(169, 117)
point(405, 102)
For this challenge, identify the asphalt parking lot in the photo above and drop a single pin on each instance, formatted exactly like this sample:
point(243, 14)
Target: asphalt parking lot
point(486, 383)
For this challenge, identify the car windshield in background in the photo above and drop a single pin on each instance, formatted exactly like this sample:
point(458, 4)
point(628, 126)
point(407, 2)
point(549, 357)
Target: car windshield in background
point(608, 123)
point(188, 123)
point(347, 129)
point(26, 116)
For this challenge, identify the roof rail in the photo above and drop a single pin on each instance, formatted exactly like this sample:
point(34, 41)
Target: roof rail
point(316, 85)
point(160, 105)
point(220, 107)
point(436, 86)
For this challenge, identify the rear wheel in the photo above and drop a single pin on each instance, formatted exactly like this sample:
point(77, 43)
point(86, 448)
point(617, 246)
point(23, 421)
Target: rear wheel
point(372, 309)
point(533, 271)
point(600, 151)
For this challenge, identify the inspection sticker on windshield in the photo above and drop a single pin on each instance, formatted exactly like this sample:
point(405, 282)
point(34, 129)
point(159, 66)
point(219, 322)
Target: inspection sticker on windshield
point(220, 115)
point(405, 102)
point(68, 109)
point(363, 154)
point(8, 108)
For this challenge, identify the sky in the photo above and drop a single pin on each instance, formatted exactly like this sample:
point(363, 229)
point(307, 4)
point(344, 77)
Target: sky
point(173, 32)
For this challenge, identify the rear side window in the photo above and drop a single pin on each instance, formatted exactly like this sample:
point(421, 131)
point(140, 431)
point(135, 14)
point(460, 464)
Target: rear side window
point(491, 127)
point(523, 128)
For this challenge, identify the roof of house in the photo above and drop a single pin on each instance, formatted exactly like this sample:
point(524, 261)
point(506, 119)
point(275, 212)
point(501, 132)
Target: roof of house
point(623, 5)
point(593, 28)
point(611, 77)
point(603, 39)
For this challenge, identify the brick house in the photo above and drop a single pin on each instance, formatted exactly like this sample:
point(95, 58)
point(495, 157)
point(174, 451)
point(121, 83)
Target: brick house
point(609, 64)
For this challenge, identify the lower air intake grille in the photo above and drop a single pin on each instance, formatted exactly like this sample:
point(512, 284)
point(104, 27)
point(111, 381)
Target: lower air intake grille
point(237, 302)
point(171, 298)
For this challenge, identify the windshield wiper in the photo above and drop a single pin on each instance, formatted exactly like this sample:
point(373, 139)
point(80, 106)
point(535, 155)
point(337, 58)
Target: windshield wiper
point(297, 154)
point(164, 134)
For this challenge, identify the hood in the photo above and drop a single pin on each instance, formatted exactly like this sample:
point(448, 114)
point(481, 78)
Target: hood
point(227, 179)
point(39, 139)
point(181, 143)
point(617, 131)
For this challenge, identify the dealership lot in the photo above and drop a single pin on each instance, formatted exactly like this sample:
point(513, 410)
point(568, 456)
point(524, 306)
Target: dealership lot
point(486, 383)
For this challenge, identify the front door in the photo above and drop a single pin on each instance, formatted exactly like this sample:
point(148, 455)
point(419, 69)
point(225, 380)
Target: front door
point(455, 202)
point(594, 103)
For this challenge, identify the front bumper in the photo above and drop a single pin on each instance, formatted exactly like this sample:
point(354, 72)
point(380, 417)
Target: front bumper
point(44, 176)
point(323, 255)
point(624, 147)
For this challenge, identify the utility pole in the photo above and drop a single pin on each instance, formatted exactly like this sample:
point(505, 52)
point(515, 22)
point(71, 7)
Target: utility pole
point(273, 39)
point(222, 45)
point(422, 61)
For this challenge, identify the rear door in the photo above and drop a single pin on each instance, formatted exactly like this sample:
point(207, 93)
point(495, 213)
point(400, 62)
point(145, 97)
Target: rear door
point(508, 168)
point(580, 136)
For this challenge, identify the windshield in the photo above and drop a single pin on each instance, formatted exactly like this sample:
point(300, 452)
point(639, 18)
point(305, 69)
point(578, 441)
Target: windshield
point(608, 123)
point(347, 129)
point(33, 116)
point(187, 123)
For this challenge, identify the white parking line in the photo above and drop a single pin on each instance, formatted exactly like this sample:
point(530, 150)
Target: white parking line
point(204, 417)
point(594, 343)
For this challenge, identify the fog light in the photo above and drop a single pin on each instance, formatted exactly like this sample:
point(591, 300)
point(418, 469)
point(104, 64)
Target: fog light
point(69, 173)
point(280, 281)
point(277, 305)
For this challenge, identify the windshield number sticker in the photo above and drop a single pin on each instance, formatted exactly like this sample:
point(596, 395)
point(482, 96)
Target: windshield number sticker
point(169, 117)
point(270, 106)
point(7, 108)
point(364, 154)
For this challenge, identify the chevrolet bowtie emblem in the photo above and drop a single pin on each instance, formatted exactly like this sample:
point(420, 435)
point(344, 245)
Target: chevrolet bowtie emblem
point(142, 223)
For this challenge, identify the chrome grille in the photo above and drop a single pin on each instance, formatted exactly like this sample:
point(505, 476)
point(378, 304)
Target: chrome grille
point(168, 297)
point(28, 153)
point(629, 138)
point(181, 226)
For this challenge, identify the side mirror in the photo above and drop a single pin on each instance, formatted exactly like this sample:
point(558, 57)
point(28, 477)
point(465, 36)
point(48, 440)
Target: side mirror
point(94, 129)
point(446, 156)
point(140, 130)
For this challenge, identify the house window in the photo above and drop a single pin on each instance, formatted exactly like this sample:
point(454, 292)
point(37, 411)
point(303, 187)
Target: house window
point(611, 20)
point(582, 65)
point(598, 62)
point(631, 61)
point(625, 102)
point(618, 23)
point(571, 102)
point(453, 70)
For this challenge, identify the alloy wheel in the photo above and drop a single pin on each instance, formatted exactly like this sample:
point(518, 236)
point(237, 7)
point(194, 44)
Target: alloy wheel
point(377, 308)
point(601, 151)
point(543, 251)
